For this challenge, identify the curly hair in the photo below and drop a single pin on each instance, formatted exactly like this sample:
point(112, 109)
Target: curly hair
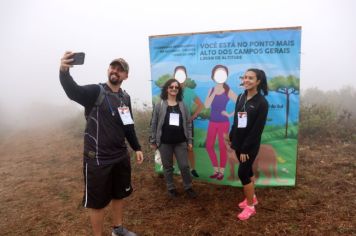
point(164, 92)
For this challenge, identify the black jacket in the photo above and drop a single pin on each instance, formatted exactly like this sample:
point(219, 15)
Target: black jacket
point(105, 133)
point(247, 140)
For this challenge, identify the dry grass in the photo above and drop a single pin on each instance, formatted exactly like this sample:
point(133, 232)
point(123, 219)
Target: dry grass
point(41, 191)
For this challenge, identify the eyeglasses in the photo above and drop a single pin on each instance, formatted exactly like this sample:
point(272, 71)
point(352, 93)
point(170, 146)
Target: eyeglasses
point(173, 87)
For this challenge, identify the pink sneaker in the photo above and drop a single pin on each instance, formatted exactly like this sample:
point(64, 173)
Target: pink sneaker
point(243, 204)
point(246, 213)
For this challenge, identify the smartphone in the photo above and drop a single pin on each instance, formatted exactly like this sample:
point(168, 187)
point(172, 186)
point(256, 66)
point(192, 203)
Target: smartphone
point(78, 58)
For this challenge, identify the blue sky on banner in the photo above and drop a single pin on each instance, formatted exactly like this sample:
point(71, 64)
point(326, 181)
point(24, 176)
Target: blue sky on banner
point(166, 53)
point(273, 63)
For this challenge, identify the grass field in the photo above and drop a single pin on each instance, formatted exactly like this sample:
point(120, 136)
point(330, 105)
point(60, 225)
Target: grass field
point(42, 185)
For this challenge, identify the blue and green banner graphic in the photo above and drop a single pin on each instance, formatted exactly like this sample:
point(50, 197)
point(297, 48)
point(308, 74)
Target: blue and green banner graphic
point(277, 52)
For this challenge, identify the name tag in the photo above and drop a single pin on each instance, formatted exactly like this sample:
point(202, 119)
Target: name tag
point(241, 119)
point(125, 115)
point(174, 119)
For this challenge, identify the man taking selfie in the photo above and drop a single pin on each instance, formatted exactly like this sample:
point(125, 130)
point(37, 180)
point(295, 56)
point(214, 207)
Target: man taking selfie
point(106, 161)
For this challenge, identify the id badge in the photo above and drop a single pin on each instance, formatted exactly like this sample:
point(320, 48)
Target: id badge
point(125, 115)
point(174, 119)
point(241, 119)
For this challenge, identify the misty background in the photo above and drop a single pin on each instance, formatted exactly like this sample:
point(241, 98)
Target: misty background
point(36, 33)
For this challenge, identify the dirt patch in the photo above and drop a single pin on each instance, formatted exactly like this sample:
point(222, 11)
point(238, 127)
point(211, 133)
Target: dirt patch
point(41, 191)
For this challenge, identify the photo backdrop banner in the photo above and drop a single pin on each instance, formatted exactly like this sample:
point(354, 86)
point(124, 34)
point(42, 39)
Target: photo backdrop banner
point(277, 52)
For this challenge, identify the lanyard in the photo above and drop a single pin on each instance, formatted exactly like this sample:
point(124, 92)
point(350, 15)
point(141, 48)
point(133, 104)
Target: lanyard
point(111, 109)
point(107, 100)
point(244, 106)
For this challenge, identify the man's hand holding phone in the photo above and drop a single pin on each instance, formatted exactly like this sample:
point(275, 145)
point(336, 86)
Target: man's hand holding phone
point(69, 59)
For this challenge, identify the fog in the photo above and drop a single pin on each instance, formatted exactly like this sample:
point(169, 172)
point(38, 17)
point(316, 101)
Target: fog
point(35, 34)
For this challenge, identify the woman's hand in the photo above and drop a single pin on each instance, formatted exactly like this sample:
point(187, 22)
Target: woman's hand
point(244, 157)
point(139, 157)
point(190, 147)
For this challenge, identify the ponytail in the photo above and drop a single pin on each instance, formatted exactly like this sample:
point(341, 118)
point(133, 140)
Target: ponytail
point(261, 76)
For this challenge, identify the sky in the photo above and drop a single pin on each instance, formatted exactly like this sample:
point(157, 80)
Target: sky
point(36, 33)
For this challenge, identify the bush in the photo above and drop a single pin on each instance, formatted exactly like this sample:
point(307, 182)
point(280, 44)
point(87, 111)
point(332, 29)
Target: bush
point(325, 121)
point(142, 119)
point(316, 120)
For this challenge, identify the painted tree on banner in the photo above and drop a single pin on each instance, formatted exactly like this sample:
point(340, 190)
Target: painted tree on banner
point(288, 86)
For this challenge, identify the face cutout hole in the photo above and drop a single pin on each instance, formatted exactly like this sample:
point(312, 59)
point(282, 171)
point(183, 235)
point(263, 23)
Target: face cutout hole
point(220, 75)
point(180, 75)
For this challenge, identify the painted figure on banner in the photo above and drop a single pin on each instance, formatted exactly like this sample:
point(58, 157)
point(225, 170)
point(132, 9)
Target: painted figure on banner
point(219, 124)
point(266, 162)
point(194, 105)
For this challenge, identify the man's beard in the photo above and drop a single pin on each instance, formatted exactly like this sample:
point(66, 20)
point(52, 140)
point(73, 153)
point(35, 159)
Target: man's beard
point(116, 81)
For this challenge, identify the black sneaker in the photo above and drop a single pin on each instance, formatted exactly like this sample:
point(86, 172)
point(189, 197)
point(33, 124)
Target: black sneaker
point(194, 173)
point(191, 193)
point(173, 193)
point(121, 231)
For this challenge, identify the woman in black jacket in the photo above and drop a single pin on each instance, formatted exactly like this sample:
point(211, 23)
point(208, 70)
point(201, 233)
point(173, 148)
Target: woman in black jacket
point(245, 135)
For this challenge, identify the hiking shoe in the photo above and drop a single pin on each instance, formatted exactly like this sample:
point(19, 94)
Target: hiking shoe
point(243, 204)
point(220, 176)
point(216, 174)
point(173, 193)
point(121, 231)
point(194, 173)
point(191, 193)
point(247, 213)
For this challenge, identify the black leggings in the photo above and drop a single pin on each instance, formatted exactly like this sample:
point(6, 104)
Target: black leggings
point(245, 171)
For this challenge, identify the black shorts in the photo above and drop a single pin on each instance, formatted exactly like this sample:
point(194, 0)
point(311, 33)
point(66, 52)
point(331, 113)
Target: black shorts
point(106, 182)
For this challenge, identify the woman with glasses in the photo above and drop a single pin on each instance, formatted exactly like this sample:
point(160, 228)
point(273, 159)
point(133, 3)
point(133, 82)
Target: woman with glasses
point(249, 120)
point(171, 133)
